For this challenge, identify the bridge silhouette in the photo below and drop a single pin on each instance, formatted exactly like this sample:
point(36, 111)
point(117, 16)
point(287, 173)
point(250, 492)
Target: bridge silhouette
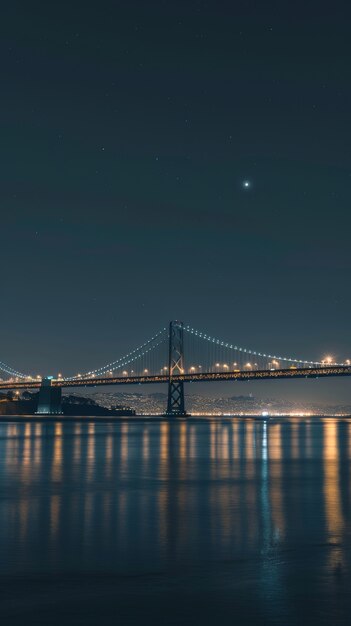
point(165, 358)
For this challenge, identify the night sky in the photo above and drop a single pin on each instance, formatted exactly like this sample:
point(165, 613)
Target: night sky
point(128, 130)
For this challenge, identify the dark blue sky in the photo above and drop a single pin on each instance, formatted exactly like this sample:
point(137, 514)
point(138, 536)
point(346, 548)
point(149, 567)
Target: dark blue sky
point(127, 129)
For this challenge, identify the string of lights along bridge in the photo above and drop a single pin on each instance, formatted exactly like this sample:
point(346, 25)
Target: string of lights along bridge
point(175, 355)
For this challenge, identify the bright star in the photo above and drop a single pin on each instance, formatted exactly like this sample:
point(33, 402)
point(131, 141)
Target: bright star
point(246, 184)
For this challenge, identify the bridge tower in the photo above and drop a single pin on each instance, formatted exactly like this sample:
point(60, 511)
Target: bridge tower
point(49, 401)
point(175, 405)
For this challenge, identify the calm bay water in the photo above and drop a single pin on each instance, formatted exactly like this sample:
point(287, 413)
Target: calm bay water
point(190, 522)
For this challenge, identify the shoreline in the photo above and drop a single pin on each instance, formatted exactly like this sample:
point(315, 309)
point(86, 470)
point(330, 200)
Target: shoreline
point(109, 419)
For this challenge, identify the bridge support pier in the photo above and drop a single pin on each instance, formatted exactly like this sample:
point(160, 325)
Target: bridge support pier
point(49, 401)
point(175, 404)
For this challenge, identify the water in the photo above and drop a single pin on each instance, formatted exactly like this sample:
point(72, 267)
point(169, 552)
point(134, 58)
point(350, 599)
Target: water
point(192, 522)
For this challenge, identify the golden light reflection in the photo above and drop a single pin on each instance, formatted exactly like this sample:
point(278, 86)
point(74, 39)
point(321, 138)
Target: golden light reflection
point(146, 444)
point(249, 440)
point(77, 449)
point(109, 455)
point(56, 469)
point(225, 443)
point(13, 452)
point(26, 454)
point(12, 430)
point(276, 477)
point(124, 446)
point(250, 449)
point(164, 450)
point(235, 439)
point(183, 451)
point(240, 492)
point(77, 428)
point(183, 441)
point(275, 442)
point(294, 439)
point(37, 444)
point(308, 439)
point(332, 496)
point(91, 452)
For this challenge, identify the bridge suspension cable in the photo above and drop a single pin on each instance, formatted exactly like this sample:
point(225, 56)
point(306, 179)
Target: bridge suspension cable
point(141, 353)
point(12, 372)
point(202, 353)
point(268, 359)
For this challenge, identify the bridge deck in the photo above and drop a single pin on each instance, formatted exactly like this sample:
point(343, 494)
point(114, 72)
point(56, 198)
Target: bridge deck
point(278, 374)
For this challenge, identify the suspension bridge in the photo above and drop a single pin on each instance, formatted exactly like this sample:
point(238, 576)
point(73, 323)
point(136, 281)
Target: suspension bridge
point(175, 355)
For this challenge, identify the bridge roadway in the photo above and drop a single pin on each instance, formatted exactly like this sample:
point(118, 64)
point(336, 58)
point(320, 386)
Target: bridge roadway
point(278, 374)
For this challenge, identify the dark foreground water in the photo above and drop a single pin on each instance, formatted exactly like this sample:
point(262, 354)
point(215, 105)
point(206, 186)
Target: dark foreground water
point(222, 521)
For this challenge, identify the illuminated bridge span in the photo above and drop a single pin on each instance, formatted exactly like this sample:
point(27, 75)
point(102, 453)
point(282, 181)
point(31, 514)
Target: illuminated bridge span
point(175, 355)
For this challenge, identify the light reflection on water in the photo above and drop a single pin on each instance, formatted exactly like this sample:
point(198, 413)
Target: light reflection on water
point(150, 496)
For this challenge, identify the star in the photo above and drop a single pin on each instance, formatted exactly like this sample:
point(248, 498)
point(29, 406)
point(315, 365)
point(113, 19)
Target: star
point(246, 184)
